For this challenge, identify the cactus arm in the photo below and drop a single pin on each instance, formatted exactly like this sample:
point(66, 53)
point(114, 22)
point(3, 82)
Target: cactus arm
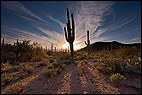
point(73, 28)
point(86, 43)
point(66, 34)
point(68, 17)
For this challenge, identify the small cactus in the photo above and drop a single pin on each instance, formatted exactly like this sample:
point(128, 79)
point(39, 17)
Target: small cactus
point(51, 47)
point(3, 41)
point(88, 41)
point(46, 48)
point(55, 49)
point(17, 50)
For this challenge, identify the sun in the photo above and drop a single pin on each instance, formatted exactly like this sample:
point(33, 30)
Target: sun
point(66, 45)
point(76, 46)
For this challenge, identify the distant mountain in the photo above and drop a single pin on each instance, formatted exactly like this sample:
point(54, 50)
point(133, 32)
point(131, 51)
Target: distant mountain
point(99, 46)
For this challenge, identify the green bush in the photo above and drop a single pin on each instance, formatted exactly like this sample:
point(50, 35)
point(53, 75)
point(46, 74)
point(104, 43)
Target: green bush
point(50, 66)
point(104, 68)
point(22, 52)
point(6, 77)
point(50, 72)
point(117, 78)
point(26, 68)
point(5, 67)
point(14, 89)
point(63, 66)
point(66, 61)
point(14, 68)
point(58, 70)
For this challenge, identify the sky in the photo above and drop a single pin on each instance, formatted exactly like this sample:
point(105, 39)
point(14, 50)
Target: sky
point(44, 22)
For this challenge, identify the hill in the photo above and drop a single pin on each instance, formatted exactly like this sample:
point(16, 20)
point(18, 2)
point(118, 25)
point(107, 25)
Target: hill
point(99, 46)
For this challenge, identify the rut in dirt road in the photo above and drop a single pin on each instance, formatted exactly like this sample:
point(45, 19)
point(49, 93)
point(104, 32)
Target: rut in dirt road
point(80, 79)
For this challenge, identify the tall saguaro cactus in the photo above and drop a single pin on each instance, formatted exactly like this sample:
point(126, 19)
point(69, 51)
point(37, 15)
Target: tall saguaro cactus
point(70, 36)
point(88, 41)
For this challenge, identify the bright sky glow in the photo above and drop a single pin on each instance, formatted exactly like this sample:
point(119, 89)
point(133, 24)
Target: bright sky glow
point(43, 21)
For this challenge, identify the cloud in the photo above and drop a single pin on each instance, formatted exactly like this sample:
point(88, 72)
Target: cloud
point(52, 34)
point(18, 7)
point(55, 38)
point(135, 39)
point(120, 24)
point(89, 15)
point(62, 25)
point(28, 19)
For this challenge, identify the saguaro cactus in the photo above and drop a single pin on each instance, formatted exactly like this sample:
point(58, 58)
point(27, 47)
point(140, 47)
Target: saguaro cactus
point(46, 49)
point(55, 49)
point(70, 36)
point(88, 41)
point(51, 47)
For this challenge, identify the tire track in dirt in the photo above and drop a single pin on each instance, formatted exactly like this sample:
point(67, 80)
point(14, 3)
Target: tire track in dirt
point(80, 79)
point(71, 83)
point(27, 79)
point(96, 81)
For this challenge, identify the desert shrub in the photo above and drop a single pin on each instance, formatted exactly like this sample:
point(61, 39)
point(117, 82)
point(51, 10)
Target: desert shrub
point(133, 65)
point(51, 59)
point(5, 67)
point(104, 68)
point(117, 78)
point(55, 64)
point(14, 89)
point(66, 61)
point(6, 78)
point(22, 52)
point(62, 66)
point(42, 64)
point(26, 68)
point(14, 68)
point(58, 70)
point(50, 72)
point(84, 55)
point(127, 52)
point(50, 66)
point(22, 74)
point(39, 55)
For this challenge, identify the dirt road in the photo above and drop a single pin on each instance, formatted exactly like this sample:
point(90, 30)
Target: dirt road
point(80, 79)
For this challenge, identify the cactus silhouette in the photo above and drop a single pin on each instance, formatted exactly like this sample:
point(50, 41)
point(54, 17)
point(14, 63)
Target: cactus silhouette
point(17, 49)
point(51, 47)
point(46, 48)
point(88, 41)
point(3, 41)
point(70, 36)
point(55, 49)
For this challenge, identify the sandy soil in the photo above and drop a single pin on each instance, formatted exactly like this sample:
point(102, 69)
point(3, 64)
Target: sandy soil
point(80, 79)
